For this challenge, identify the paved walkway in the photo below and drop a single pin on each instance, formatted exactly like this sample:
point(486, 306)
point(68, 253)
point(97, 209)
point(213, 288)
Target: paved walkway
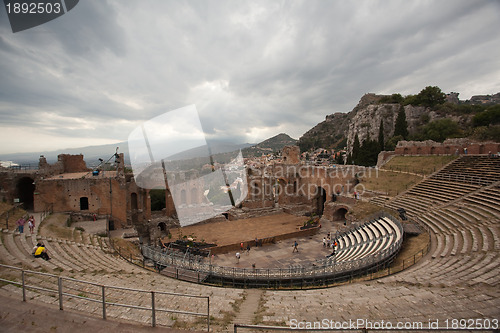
point(280, 254)
point(17, 316)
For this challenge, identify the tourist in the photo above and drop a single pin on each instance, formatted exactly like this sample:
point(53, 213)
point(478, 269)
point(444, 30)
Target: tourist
point(34, 248)
point(241, 246)
point(324, 241)
point(248, 248)
point(238, 257)
point(41, 252)
point(32, 219)
point(295, 247)
point(30, 225)
point(20, 224)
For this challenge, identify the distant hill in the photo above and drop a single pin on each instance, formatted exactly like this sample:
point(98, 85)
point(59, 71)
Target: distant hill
point(218, 149)
point(91, 154)
point(271, 145)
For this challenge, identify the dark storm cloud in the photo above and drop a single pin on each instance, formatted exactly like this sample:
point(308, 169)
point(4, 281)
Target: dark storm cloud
point(253, 69)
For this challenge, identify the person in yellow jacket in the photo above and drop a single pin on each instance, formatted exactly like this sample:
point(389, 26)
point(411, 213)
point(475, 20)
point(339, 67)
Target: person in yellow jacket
point(41, 252)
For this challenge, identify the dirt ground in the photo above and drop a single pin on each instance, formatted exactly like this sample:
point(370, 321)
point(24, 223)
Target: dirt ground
point(232, 232)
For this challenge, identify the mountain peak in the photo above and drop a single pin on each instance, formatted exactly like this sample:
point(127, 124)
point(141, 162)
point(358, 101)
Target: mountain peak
point(270, 145)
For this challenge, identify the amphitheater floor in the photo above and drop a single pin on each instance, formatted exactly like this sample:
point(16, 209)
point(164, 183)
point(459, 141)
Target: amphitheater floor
point(280, 254)
point(268, 255)
point(234, 232)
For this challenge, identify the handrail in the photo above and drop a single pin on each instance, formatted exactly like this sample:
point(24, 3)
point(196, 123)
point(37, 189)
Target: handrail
point(61, 292)
point(318, 269)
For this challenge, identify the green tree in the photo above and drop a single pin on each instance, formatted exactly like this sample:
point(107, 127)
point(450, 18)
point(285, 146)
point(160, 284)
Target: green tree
point(355, 149)
point(401, 126)
point(441, 129)
point(392, 142)
point(394, 98)
point(489, 117)
point(368, 153)
point(410, 100)
point(381, 135)
point(431, 96)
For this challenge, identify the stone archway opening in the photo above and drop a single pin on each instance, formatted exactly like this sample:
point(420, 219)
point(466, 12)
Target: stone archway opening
point(339, 214)
point(25, 192)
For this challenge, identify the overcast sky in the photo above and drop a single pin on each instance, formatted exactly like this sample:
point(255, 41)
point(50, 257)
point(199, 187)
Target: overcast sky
point(253, 69)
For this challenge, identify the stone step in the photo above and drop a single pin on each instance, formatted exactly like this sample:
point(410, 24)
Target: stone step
point(494, 229)
point(11, 246)
point(467, 238)
point(456, 244)
point(5, 254)
point(76, 265)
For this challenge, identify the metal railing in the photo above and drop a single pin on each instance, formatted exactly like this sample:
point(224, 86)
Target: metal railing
point(104, 295)
point(8, 214)
point(322, 272)
point(22, 167)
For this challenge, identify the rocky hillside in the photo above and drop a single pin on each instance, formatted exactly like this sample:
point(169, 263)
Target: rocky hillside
point(271, 145)
point(339, 129)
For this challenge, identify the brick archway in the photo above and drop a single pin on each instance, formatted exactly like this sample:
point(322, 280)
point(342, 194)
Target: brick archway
point(339, 213)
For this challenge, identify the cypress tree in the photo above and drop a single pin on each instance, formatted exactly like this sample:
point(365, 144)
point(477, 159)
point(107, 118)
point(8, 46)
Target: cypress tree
point(401, 126)
point(355, 149)
point(381, 135)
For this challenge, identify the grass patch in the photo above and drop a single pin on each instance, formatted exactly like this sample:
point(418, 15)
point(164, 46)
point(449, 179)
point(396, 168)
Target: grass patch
point(411, 246)
point(423, 165)
point(127, 248)
point(388, 182)
point(55, 226)
point(261, 311)
point(362, 210)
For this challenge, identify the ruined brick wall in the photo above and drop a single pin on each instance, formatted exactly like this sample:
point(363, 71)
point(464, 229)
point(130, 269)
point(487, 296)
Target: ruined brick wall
point(72, 163)
point(65, 164)
point(448, 147)
point(68, 195)
point(291, 154)
point(297, 185)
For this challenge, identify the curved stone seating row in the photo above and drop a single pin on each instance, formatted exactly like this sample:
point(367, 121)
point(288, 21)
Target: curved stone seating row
point(221, 299)
point(475, 169)
point(367, 239)
point(430, 193)
point(65, 255)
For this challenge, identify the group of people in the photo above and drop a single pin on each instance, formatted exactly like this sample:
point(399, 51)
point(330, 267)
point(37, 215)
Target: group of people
point(22, 221)
point(39, 251)
point(328, 242)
